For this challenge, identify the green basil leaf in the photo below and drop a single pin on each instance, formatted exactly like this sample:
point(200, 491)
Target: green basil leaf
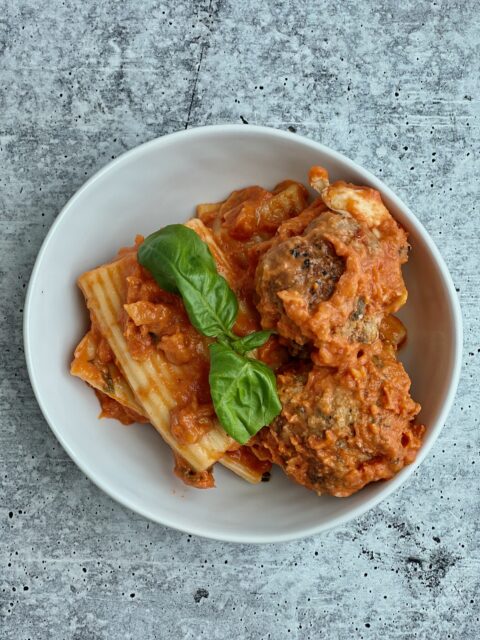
point(251, 342)
point(244, 392)
point(182, 263)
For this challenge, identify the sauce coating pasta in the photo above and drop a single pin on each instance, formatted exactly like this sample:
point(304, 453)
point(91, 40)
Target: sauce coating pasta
point(323, 275)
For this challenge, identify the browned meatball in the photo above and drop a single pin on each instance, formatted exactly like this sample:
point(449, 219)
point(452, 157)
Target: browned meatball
point(331, 285)
point(309, 267)
point(339, 431)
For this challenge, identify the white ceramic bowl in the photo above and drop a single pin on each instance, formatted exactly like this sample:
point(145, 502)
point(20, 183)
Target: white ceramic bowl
point(158, 183)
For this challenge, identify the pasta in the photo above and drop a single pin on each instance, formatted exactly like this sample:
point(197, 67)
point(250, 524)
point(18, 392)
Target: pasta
point(107, 378)
point(151, 380)
point(102, 288)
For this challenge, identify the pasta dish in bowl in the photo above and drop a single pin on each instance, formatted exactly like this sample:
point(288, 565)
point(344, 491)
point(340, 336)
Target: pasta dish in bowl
point(316, 284)
point(263, 335)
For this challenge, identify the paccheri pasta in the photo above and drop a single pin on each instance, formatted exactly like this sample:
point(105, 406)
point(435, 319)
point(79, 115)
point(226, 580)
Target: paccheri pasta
point(306, 291)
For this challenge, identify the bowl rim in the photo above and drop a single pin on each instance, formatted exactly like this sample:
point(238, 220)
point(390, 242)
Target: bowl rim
point(388, 488)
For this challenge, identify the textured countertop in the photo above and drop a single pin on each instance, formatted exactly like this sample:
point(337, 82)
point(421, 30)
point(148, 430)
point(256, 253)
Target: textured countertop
point(395, 86)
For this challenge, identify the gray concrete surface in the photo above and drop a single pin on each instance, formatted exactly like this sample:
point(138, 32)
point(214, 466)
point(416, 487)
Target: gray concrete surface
point(394, 85)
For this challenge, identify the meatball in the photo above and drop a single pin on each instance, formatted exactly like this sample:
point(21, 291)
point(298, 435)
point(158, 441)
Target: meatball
point(331, 285)
point(309, 267)
point(339, 431)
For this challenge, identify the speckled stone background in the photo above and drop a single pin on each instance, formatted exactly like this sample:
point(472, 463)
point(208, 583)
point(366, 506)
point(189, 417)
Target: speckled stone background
point(395, 86)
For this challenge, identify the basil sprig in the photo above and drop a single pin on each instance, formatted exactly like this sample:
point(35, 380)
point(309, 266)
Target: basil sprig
point(244, 390)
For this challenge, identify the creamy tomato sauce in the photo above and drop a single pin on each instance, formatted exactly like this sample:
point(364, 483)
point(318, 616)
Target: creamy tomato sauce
point(326, 280)
point(113, 409)
point(197, 479)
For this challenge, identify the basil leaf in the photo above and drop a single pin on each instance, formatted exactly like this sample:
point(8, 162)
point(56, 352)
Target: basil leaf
point(182, 263)
point(251, 342)
point(244, 392)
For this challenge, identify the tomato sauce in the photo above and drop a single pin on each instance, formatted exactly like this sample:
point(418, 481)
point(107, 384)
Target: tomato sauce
point(347, 416)
point(113, 409)
point(197, 479)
